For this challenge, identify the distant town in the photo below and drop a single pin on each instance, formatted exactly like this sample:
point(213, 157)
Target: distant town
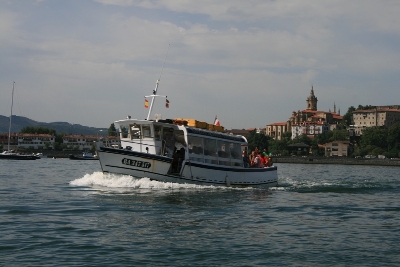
point(296, 135)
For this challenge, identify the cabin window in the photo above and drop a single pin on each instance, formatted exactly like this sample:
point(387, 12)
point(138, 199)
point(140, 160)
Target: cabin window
point(134, 131)
point(223, 153)
point(236, 151)
point(157, 132)
point(210, 151)
point(146, 131)
point(124, 132)
point(195, 145)
point(223, 149)
point(210, 147)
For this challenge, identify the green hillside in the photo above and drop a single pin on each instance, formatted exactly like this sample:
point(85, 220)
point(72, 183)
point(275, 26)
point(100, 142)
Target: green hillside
point(19, 122)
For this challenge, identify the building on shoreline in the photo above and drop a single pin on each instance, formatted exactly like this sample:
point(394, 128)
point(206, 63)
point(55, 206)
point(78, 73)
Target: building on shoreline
point(309, 121)
point(35, 141)
point(24, 141)
point(85, 142)
point(337, 149)
point(381, 116)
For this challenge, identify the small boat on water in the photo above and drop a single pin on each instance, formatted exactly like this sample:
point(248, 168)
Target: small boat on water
point(201, 155)
point(9, 154)
point(39, 155)
point(85, 156)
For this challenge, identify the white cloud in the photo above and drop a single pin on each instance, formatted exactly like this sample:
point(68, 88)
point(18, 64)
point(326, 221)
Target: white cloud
point(223, 56)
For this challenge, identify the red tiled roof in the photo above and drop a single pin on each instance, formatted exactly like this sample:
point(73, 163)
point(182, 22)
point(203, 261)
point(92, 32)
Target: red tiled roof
point(34, 135)
point(378, 110)
point(278, 124)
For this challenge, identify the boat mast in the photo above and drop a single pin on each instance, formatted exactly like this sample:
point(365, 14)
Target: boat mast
point(9, 127)
point(153, 98)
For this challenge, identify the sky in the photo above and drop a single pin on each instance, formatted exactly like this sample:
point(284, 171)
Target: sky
point(250, 63)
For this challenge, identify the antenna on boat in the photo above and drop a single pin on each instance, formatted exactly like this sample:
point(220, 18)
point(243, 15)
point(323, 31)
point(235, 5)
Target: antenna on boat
point(155, 89)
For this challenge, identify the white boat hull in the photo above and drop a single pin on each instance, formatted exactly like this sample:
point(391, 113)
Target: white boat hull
point(157, 167)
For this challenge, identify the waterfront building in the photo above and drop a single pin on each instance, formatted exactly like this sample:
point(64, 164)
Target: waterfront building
point(276, 130)
point(337, 149)
point(85, 142)
point(381, 116)
point(309, 128)
point(35, 141)
point(13, 141)
point(79, 142)
point(309, 121)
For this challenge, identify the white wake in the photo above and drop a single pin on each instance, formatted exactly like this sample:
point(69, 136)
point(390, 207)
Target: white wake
point(114, 181)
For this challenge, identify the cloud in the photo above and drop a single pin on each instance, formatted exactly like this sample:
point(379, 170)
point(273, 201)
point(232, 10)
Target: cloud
point(222, 56)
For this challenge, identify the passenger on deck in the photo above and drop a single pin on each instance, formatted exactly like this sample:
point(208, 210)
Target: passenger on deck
point(268, 158)
point(170, 140)
point(251, 158)
point(177, 160)
point(264, 159)
point(256, 161)
point(270, 161)
point(174, 164)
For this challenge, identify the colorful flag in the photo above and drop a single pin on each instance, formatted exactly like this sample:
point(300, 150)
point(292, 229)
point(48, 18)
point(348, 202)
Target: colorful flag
point(216, 122)
point(146, 103)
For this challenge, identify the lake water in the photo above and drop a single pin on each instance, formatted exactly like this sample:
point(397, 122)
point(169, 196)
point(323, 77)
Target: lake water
point(60, 212)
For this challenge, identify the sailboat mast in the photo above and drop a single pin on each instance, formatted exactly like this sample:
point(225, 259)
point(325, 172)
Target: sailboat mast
point(9, 127)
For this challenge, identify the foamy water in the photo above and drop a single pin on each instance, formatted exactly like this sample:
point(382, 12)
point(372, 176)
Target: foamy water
point(116, 181)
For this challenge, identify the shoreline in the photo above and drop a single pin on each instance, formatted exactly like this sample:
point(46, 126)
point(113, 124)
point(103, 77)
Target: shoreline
point(336, 160)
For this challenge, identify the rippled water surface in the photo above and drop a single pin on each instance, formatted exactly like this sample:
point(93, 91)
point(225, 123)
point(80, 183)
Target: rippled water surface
point(67, 213)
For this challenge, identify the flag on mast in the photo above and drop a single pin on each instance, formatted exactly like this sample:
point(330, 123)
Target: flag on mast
point(146, 103)
point(216, 121)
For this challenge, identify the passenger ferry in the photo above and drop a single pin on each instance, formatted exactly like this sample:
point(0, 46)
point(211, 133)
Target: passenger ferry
point(208, 156)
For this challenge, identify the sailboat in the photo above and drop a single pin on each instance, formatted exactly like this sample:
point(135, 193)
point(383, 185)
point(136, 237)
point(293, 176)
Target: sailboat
point(9, 154)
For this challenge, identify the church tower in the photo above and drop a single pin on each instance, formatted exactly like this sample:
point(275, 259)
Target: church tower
point(312, 100)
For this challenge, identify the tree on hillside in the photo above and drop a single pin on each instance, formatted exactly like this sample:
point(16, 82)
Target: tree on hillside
point(374, 136)
point(302, 139)
point(393, 137)
point(393, 140)
point(279, 147)
point(258, 139)
point(111, 130)
point(58, 142)
point(37, 130)
point(366, 107)
point(348, 117)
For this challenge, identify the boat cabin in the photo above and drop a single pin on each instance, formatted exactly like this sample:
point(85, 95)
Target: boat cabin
point(203, 146)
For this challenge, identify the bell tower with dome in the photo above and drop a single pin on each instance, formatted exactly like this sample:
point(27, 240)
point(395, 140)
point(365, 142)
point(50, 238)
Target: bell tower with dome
point(312, 100)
